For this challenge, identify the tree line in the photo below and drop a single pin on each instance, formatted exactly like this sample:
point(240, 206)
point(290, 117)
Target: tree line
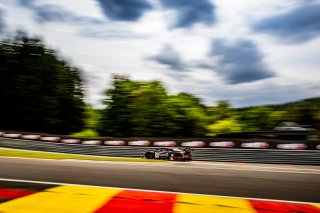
point(39, 91)
point(42, 92)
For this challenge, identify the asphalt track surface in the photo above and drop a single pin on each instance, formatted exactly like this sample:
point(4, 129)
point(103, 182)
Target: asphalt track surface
point(280, 182)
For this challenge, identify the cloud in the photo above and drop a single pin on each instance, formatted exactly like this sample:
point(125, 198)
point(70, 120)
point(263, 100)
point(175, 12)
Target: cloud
point(183, 66)
point(50, 13)
point(170, 57)
point(298, 25)
point(190, 12)
point(2, 25)
point(124, 10)
point(271, 91)
point(239, 62)
point(25, 3)
point(53, 13)
point(112, 33)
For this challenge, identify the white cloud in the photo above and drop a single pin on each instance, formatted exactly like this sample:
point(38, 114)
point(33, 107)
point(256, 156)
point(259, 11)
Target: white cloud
point(78, 7)
point(101, 49)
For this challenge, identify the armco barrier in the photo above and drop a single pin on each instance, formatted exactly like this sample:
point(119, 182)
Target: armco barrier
point(31, 137)
point(302, 157)
point(206, 142)
point(51, 138)
point(11, 135)
point(257, 145)
point(71, 141)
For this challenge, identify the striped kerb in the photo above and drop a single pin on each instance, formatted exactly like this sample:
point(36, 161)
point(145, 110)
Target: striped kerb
point(87, 199)
point(283, 207)
point(198, 203)
point(130, 201)
point(61, 199)
point(13, 193)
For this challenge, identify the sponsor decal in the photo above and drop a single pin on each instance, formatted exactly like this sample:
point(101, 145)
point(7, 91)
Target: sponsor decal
point(292, 146)
point(31, 137)
point(71, 141)
point(164, 154)
point(139, 143)
point(165, 143)
point(258, 145)
point(115, 143)
point(227, 144)
point(12, 135)
point(92, 142)
point(51, 139)
point(194, 144)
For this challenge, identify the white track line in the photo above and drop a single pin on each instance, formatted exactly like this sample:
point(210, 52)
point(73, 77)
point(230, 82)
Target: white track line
point(250, 169)
point(145, 190)
point(246, 167)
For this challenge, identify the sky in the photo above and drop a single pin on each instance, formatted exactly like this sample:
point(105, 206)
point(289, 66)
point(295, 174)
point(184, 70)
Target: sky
point(248, 52)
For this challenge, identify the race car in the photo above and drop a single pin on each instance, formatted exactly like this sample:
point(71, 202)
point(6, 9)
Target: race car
point(173, 154)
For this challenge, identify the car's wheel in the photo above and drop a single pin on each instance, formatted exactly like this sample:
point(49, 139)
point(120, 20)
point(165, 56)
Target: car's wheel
point(149, 155)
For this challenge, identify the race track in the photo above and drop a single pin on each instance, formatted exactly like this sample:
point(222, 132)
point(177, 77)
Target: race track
point(280, 182)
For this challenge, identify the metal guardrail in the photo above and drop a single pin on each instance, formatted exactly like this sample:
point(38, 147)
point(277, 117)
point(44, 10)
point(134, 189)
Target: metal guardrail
point(299, 157)
point(206, 142)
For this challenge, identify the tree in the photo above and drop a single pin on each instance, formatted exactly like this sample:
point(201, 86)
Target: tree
point(143, 108)
point(91, 117)
point(116, 116)
point(38, 91)
point(221, 111)
point(188, 115)
point(227, 125)
point(277, 117)
point(256, 118)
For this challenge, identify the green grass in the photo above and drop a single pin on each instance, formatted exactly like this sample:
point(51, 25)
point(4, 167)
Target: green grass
point(60, 156)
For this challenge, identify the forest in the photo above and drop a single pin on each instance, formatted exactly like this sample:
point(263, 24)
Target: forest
point(42, 92)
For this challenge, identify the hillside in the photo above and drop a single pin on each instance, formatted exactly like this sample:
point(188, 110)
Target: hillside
point(304, 112)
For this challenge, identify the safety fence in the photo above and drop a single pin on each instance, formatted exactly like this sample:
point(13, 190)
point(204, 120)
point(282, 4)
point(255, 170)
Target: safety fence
point(302, 157)
point(228, 143)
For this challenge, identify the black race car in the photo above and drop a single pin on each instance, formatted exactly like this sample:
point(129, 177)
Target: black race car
point(169, 154)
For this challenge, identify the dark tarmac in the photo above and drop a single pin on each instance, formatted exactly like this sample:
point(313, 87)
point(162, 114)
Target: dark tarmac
point(280, 182)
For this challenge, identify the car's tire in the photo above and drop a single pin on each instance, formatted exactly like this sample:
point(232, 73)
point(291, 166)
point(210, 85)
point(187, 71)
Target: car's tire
point(149, 155)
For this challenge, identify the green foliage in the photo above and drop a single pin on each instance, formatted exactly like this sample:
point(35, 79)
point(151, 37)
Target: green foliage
point(225, 119)
point(91, 117)
point(87, 133)
point(227, 125)
point(277, 117)
point(256, 118)
point(187, 115)
point(221, 111)
point(137, 108)
point(38, 91)
point(303, 112)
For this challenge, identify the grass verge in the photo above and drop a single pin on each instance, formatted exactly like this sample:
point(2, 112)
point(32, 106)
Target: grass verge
point(61, 156)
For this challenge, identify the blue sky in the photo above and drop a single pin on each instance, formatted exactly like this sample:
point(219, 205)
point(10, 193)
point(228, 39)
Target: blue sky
point(246, 51)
